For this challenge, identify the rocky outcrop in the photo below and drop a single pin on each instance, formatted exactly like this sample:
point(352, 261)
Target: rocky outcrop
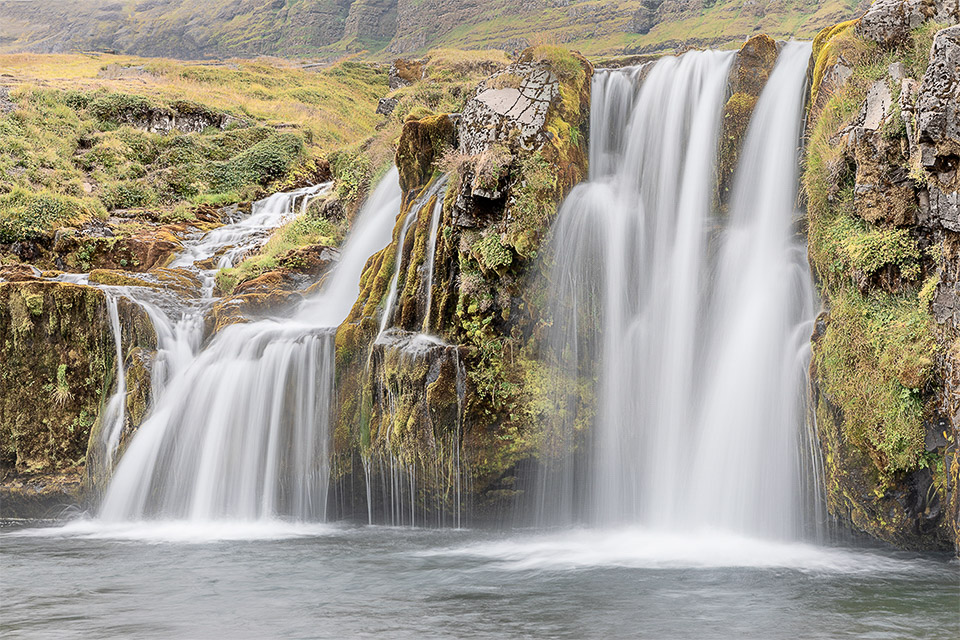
point(748, 75)
point(181, 115)
point(511, 103)
point(502, 187)
point(881, 180)
point(299, 272)
point(646, 17)
point(421, 143)
point(58, 355)
point(889, 22)
point(371, 20)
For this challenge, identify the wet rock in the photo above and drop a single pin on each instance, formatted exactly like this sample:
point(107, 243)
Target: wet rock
point(248, 307)
point(748, 75)
point(19, 273)
point(58, 355)
point(417, 385)
point(298, 269)
point(152, 248)
point(421, 143)
point(40, 495)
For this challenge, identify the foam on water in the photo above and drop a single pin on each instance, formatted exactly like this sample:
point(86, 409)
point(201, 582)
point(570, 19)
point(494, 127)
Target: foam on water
point(637, 548)
point(181, 531)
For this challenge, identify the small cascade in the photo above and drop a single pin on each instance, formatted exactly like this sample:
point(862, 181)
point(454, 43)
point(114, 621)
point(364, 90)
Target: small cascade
point(692, 322)
point(178, 322)
point(415, 208)
point(241, 430)
point(413, 475)
point(432, 253)
point(231, 242)
point(114, 414)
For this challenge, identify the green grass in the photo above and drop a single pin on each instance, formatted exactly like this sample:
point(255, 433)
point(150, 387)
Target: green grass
point(309, 229)
point(68, 151)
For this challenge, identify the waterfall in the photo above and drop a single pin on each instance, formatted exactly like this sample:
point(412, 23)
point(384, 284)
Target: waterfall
point(179, 337)
point(415, 208)
point(242, 431)
point(692, 322)
point(432, 252)
point(115, 412)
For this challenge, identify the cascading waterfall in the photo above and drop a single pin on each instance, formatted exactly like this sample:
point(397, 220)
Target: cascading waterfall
point(179, 339)
point(693, 322)
point(431, 255)
point(427, 490)
point(435, 190)
point(243, 430)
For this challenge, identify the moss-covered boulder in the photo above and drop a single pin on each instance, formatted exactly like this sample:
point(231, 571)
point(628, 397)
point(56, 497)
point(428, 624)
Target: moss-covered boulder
point(886, 262)
point(421, 144)
point(58, 355)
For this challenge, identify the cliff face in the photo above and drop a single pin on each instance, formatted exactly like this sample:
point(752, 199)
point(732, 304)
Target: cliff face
point(882, 186)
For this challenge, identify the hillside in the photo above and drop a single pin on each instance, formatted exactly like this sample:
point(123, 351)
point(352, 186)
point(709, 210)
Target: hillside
point(324, 28)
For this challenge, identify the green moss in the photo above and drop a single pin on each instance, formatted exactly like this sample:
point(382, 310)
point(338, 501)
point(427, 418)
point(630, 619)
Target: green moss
point(875, 359)
point(736, 119)
point(532, 205)
point(825, 52)
point(34, 303)
point(492, 254)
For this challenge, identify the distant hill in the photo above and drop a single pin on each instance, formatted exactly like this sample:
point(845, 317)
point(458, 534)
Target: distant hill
point(197, 29)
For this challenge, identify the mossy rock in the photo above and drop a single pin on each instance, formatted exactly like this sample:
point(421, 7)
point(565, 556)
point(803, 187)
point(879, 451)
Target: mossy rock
point(751, 69)
point(58, 358)
point(421, 145)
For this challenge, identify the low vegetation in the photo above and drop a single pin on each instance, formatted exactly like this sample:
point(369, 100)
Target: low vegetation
point(88, 135)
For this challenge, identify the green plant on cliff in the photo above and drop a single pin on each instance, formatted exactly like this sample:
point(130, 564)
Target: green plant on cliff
point(875, 358)
point(62, 393)
point(532, 205)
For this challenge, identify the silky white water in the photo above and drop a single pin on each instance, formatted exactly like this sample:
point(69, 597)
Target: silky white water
point(692, 321)
point(178, 321)
point(242, 430)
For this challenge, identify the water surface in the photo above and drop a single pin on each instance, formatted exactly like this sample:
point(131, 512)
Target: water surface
point(280, 580)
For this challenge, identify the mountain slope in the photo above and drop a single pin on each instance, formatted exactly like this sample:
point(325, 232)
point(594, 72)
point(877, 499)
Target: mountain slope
point(321, 28)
